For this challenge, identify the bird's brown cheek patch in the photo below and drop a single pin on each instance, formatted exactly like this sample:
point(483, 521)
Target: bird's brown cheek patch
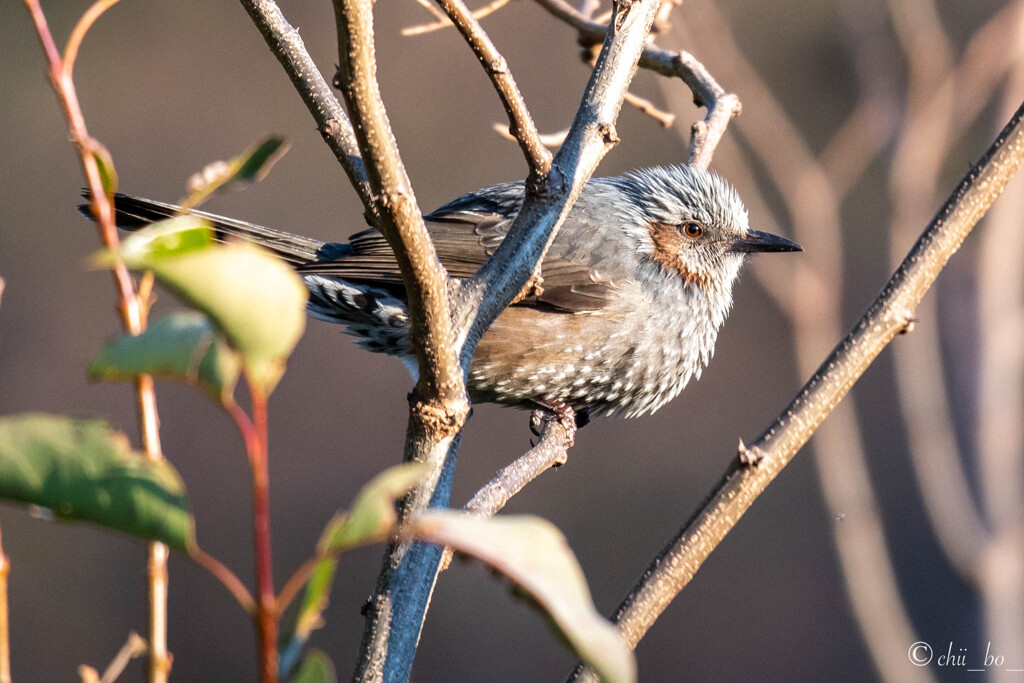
point(667, 245)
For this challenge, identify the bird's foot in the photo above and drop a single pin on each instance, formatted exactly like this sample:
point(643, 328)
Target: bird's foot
point(568, 418)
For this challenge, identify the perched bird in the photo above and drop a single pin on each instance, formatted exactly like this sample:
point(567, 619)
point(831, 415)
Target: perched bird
point(634, 287)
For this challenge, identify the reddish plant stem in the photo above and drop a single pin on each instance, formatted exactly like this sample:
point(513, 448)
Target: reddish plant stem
point(130, 307)
point(254, 433)
point(5, 636)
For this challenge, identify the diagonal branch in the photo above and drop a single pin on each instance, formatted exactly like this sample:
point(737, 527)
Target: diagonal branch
point(521, 124)
point(721, 106)
point(890, 314)
point(548, 201)
point(332, 122)
point(551, 451)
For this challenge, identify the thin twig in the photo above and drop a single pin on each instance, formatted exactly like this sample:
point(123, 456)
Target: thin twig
point(332, 121)
point(78, 33)
point(445, 22)
point(721, 106)
point(552, 450)
point(438, 14)
point(547, 139)
point(234, 585)
point(645, 106)
point(265, 616)
point(131, 309)
point(135, 646)
point(5, 625)
point(521, 124)
point(890, 314)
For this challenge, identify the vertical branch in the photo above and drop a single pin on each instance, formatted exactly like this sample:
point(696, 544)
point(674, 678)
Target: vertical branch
point(439, 405)
point(132, 311)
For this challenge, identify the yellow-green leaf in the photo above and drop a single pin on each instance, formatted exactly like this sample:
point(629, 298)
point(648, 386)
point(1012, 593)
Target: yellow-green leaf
point(250, 295)
point(535, 556)
point(181, 346)
point(316, 668)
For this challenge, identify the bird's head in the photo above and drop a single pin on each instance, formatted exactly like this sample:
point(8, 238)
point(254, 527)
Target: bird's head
point(696, 225)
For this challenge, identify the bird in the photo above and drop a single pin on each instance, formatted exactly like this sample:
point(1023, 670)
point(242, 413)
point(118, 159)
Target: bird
point(632, 291)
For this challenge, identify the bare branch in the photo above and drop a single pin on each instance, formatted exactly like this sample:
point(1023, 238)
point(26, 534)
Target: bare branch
point(552, 450)
point(721, 106)
point(332, 122)
point(135, 646)
point(547, 203)
point(438, 14)
point(549, 139)
point(890, 314)
point(520, 122)
point(665, 118)
point(810, 295)
point(440, 389)
point(444, 22)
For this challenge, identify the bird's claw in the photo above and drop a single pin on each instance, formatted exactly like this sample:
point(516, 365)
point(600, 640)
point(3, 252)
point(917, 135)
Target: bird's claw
point(567, 418)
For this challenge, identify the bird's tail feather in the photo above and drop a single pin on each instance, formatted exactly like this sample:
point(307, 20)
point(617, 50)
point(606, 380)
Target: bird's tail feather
point(375, 315)
point(133, 213)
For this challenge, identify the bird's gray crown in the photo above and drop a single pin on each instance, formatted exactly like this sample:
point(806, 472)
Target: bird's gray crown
point(676, 194)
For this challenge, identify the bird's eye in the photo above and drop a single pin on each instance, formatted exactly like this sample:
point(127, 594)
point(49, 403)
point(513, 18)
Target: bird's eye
point(692, 230)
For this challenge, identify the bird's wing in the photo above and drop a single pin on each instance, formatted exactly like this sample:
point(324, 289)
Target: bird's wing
point(580, 271)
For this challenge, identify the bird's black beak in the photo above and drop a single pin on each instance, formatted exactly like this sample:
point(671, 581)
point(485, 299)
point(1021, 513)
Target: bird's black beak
point(755, 241)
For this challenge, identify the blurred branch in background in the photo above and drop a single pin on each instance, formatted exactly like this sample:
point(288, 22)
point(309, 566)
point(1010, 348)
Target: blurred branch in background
point(946, 96)
point(891, 313)
point(984, 541)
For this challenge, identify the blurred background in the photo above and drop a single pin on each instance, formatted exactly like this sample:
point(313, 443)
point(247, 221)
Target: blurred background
point(901, 522)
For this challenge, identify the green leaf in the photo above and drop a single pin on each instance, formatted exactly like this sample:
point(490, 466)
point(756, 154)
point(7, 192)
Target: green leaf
point(535, 556)
point(316, 668)
point(250, 166)
point(373, 515)
point(105, 165)
point(83, 470)
point(371, 520)
point(251, 296)
point(181, 346)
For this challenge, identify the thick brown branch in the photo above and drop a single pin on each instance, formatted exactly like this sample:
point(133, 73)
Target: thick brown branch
point(889, 315)
point(426, 282)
